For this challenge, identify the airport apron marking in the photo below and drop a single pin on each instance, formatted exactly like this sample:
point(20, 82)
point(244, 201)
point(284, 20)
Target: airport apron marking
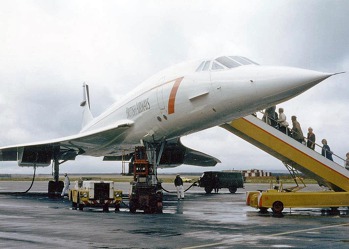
point(172, 98)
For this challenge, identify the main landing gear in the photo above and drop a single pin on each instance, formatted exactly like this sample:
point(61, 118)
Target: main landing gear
point(55, 187)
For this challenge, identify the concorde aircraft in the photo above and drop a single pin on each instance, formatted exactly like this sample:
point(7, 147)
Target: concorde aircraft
point(177, 101)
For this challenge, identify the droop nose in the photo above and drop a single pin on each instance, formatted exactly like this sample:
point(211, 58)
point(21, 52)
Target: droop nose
point(283, 83)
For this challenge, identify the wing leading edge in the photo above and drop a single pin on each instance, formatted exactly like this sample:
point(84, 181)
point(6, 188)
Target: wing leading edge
point(93, 143)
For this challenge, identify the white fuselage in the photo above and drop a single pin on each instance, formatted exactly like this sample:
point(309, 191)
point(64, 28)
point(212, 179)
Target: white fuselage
point(179, 101)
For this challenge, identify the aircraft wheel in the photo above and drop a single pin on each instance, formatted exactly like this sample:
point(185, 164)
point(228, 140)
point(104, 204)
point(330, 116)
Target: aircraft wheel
point(277, 208)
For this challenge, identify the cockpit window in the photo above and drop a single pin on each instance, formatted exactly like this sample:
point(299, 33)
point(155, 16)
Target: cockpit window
point(216, 66)
point(200, 67)
point(224, 63)
point(242, 60)
point(229, 63)
point(206, 66)
point(252, 62)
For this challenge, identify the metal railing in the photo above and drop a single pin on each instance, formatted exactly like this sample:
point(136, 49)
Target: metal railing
point(269, 120)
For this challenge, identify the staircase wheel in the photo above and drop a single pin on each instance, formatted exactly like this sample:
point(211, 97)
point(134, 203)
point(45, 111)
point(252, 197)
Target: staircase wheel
point(277, 208)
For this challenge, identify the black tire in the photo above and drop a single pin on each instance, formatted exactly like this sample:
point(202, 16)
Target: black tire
point(263, 210)
point(74, 205)
point(132, 207)
point(81, 207)
point(208, 190)
point(233, 189)
point(105, 208)
point(159, 207)
point(117, 208)
point(277, 208)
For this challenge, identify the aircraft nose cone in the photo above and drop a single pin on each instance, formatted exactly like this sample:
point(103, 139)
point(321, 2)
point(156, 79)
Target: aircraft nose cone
point(283, 83)
point(303, 77)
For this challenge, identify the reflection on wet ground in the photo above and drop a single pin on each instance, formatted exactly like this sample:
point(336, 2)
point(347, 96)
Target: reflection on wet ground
point(199, 221)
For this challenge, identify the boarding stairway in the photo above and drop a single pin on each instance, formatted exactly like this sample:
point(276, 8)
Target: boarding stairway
point(292, 153)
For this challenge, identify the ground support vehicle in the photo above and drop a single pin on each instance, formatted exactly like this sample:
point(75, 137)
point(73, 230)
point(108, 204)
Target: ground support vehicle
point(146, 192)
point(297, 158)
point(146, 196)
point(277, 201)
point(95, 194)
point(217, 179)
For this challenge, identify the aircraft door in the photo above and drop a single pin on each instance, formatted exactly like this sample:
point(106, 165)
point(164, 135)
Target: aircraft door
point(160, 95)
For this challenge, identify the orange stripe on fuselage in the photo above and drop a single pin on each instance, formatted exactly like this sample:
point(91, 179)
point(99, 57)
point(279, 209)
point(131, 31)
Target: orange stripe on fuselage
point(172, 98)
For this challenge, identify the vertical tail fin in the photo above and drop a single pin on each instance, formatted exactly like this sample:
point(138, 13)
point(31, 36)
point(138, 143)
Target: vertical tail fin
point(86, 114)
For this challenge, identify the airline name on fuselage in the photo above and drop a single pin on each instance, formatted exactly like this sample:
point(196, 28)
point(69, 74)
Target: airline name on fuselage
point(138, 108)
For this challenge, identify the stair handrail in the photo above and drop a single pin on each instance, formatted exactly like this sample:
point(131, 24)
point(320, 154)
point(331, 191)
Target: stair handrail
point(305, 139)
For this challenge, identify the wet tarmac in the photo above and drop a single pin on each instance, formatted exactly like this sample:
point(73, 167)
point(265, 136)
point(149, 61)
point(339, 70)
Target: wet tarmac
point(199, 221)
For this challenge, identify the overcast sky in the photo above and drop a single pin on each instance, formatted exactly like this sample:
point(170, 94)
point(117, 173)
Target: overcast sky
point(49, 48)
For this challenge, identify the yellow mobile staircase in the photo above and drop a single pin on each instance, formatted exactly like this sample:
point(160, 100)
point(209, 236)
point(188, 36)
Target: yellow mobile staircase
point(296, 157)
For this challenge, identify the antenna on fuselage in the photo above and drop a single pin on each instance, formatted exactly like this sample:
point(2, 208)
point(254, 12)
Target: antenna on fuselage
point(86, 114)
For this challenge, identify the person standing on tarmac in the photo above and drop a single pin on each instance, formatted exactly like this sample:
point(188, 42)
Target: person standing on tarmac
point(178, 182)
point(66, 184)
point(216, 183)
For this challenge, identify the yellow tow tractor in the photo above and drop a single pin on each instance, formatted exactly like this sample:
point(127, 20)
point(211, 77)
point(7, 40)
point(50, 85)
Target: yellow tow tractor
point(95, 194)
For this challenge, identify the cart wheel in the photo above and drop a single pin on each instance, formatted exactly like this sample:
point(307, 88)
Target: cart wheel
point(263, 210)
point(81, 207)
point(105, 208)
point(277, 208)
point(232, 189)
point(132, 207)
point(334, 211)
point(74, 205)
point(117, 208)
